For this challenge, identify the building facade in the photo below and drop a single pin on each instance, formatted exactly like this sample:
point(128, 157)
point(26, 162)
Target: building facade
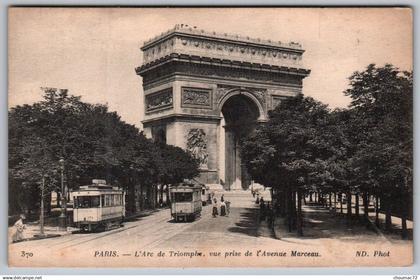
point(203, 91)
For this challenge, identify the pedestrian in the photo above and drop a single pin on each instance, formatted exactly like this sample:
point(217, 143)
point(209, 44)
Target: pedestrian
point(227, 208)
point(253, 193)
point(19, 226)
point(262, 208)
point(222, 198)
point(257, 201)
point(222, 208)
point(270, 215)
point(214, 208)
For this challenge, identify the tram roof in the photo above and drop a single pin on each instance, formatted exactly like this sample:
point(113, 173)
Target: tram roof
point(185, 188)
point(98, 187)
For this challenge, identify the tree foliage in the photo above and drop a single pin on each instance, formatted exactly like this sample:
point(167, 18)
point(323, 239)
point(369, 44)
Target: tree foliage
point(94, 142)
point(366, 148)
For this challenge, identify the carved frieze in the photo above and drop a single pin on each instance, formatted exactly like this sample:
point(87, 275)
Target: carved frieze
point(247, 53)
point(159, 100)
point(197, 145)
point(196, 97)
point(210, 71)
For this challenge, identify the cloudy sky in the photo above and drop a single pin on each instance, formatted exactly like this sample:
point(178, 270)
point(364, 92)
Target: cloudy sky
point(93, 52)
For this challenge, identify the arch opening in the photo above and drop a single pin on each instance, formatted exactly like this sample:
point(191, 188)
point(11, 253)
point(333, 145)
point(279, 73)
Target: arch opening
point(239, 115)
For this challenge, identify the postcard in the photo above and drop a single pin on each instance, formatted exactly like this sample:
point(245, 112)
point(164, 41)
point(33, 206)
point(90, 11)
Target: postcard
point(210, 137)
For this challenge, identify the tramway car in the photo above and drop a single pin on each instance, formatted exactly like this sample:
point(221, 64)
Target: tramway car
point(186, 202)
point(98, 206)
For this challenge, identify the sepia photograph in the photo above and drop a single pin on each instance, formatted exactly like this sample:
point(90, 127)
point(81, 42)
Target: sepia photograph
point(210, 137)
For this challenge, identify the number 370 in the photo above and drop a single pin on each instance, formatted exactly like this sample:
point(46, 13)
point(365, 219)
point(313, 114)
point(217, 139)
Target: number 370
point(25, 254)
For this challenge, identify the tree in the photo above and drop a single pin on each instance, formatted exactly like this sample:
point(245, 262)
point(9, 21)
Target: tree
point(282, 153)
point(94, 143)
point(382, 103)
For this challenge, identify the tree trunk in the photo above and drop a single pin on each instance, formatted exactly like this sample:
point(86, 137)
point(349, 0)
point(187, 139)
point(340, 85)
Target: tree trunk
point(348, 197)
point(294, 212)
point(325, 200)
point(330, 201)
point(155, 200)
point(404, 231)
point(168, 199)
point(357, 206)
point(141, 197)
point(48, 202)
point(377, 222)
point(41, 214)
point(366, 206)
point(388, 221)
point(404, 204)
point(131, 199)
point(335, 202)
point(299, 214)
point(341, 203)
point(161, 195)
point(289, 210)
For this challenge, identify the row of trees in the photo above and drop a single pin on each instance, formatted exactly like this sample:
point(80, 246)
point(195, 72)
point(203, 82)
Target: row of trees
point(94, 142)
point(364, 150)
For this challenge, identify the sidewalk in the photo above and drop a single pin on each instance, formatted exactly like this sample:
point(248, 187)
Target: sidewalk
point(396, 221)
point(32, 229)
point(319, 222)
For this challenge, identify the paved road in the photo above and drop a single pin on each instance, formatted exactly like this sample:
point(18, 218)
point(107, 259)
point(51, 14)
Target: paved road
point(159, 231)
point(331, 241)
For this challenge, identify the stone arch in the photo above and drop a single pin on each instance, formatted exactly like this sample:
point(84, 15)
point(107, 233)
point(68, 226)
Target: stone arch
point(246, 93)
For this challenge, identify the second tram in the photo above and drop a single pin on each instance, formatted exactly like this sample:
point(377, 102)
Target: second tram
point(186, 202)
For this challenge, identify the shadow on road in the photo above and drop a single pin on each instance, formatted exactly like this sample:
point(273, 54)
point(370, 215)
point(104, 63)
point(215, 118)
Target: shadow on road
point(247, 223)
point(139, 216)
point(320, 222)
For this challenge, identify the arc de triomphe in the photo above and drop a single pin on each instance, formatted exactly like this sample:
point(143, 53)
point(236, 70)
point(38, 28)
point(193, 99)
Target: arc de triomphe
point(203, 91)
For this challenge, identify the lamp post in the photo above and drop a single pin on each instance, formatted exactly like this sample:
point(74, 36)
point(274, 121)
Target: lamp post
point(62, 218)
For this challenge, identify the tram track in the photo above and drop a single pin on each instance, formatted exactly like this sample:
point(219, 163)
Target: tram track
point(116, 231)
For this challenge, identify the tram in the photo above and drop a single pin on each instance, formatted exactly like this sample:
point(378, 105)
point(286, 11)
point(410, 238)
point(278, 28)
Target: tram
point(186, 204)
point(98, 206)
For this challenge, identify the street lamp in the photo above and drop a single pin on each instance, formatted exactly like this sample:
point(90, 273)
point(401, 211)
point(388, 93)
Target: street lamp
point(63, 218)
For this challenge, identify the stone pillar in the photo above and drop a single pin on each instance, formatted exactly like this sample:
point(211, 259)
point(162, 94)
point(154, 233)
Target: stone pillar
point(237, 165)
point(230, 158)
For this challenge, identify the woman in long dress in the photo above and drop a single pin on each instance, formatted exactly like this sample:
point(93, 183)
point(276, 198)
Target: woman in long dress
point(227, 207)
point(215, 208)
point(19, 226)
point(222, 208)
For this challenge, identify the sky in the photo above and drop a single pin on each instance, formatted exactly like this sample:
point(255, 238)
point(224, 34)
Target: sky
point(93, 52)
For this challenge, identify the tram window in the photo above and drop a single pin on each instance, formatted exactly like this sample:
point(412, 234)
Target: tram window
point(183, 197)
point(87, 202)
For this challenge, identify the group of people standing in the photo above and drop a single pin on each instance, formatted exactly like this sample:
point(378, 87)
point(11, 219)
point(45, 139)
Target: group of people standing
point(266, 210)
point(224, 207)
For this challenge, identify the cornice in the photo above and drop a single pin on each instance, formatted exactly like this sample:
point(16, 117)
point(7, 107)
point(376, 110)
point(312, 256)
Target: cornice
point(221, 62)
point(171, 117)
point(193, 32)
